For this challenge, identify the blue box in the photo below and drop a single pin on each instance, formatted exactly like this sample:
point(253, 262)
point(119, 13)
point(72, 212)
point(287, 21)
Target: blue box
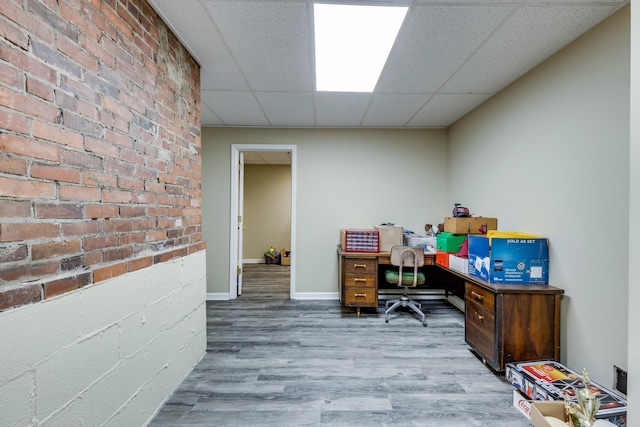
point(509, 260)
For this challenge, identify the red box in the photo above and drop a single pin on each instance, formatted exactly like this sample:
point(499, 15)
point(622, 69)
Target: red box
point(442, 258)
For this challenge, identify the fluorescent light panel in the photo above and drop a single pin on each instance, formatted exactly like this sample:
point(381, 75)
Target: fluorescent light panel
point(352, 44)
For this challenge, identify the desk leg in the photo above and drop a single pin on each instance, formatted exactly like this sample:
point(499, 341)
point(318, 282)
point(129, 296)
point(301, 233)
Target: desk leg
point(358, 311)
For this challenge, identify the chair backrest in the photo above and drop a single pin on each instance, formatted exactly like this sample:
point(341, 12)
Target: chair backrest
point(407, 256)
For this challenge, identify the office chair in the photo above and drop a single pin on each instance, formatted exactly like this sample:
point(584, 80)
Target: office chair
point(405, 256)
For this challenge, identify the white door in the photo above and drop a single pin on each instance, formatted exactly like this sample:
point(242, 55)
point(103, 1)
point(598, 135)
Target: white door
point(240, 221)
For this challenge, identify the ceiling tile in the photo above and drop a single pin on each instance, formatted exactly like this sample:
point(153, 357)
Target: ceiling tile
point(444, 110)
point(235, 108)
point(270, 41)
point(338, 109)
point(532, 34)
point(435, 41)
point(288, 108)
point(393, 110)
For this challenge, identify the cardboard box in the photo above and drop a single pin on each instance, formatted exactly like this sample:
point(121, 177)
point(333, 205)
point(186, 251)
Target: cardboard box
point(509, 260)
point(449, 242)
point(470, 225)
point(549, 381)
point(390, 235)
point(458, 264)
point(285, 257)
point(522, 404)
point(541, 409)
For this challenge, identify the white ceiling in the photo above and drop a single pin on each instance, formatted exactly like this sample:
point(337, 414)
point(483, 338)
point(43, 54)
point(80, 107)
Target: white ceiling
point(450, 56)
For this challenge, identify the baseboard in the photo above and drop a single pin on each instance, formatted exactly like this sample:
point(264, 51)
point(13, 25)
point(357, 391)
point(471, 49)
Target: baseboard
point(218, 296)
point(317, 296)
point(253, 261)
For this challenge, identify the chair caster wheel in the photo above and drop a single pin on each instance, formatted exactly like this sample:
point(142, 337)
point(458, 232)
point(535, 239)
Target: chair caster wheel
point(424, 323)
point(386, 320)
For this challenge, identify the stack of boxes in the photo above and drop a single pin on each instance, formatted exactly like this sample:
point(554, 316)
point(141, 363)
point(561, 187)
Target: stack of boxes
point(456, 230)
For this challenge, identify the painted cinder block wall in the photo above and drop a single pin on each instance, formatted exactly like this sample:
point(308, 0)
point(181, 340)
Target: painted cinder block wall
point(102, 263)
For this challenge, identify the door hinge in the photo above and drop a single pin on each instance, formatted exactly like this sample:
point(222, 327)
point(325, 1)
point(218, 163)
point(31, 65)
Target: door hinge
point(239, 271)
point(239, 219)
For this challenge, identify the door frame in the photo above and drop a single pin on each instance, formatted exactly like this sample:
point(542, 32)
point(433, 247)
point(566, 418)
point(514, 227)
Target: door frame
point(233, 232)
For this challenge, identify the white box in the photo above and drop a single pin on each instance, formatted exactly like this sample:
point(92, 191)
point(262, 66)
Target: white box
point(390, 235)
point(458, 264)
point(428, 243)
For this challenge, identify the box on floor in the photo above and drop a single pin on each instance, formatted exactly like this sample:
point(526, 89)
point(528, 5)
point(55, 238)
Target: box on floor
point(548, 381)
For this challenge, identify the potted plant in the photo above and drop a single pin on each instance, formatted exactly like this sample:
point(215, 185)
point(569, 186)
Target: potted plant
point(271, 256)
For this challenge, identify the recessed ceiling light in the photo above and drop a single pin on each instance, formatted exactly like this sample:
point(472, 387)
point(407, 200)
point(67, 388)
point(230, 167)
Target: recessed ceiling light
point(352, 44)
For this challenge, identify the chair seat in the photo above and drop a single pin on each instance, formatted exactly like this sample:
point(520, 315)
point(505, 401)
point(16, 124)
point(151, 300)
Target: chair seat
point(407, 277)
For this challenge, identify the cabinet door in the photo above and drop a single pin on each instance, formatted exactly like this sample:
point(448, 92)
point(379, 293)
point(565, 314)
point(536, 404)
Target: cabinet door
point(480, 331)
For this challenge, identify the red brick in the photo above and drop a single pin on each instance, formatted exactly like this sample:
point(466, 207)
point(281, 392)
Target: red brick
point(99, 179)
point(55, 173)
point(100, 147)
point(12, 121)
point(132, 211)
point(56, 249)
point(130, 183)
point(28, 105)
point(155, 235)
point(79, 55)
point(19, 295)
point(116, 196)
point(114, 254)
point(29, 271)
point(34, 87)
point(13, 165)
point(100, 211)
point(117, 226)
point(139, 263)
point(60, 286)
point(99, 242)
point(144, 198)
point(80, 228)
point(58, 210)
point(74, 192)
point(17, 144)
point(131, 238)
point(13, 254)
point(92, 258)
point(24, 189)
point(15, 209)
point(57, 134)
point(109, 271)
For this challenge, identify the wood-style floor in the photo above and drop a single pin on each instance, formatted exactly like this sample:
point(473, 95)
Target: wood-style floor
point(272, 361)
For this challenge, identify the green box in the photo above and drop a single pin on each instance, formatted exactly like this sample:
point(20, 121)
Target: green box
point(449, 242)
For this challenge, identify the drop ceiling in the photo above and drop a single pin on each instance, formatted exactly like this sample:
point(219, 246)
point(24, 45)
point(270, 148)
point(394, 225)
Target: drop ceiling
point(257, 64)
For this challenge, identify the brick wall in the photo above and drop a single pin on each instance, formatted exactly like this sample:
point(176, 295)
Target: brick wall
point(100, 167)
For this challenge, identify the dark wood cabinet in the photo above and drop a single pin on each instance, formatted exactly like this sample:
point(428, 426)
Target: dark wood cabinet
point(358, 277)
point(512, 323)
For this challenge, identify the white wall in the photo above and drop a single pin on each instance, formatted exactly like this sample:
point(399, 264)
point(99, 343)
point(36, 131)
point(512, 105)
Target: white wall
point(549, 155)
point(107, 354)
point(634, 223)
point(346, 179)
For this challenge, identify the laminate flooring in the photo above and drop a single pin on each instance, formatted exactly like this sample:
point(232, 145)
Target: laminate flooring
point(272, 361)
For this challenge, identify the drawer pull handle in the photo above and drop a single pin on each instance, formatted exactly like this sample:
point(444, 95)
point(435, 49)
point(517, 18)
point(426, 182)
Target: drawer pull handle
point(359, 265)
point(360, 295)
point(477, 296)
point(480, 318)
point(360, 280)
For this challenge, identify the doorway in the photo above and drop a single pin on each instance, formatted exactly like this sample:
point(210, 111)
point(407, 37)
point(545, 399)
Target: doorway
point(257, 154)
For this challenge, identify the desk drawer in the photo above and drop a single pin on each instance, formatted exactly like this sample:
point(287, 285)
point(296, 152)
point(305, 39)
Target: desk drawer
point(362, 281)
point(361, 296)
point(480, 330)
point(480, 296)
point(359, 266)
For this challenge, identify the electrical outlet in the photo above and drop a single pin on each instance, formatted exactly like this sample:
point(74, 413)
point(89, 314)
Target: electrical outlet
point(620, 379)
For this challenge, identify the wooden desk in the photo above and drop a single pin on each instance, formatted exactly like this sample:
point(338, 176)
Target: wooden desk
point(503, 322)
point(358, 276)
point(511, 322)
